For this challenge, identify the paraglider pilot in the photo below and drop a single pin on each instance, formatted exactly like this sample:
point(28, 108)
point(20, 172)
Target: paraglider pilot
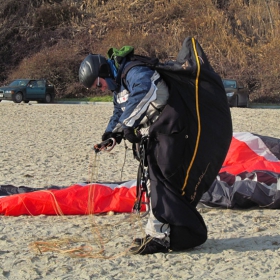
point(144, 106)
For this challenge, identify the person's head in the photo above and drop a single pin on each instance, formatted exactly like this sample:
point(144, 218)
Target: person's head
point(95, 71)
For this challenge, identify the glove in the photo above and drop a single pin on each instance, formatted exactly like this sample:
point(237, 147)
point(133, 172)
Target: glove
point(106, 135)
point(118, 136)
point(131, 135)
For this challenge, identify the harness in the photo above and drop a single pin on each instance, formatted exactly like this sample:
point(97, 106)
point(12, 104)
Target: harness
point(139, 151)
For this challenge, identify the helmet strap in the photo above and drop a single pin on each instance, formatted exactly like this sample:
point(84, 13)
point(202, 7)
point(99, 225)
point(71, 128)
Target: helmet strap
point(98, 83)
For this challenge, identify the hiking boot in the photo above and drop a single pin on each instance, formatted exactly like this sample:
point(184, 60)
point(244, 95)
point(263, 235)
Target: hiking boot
point(151, 246)
point(140, 241)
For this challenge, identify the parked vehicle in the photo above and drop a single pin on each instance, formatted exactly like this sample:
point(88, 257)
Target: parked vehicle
point(26, 90)
point(237, 95)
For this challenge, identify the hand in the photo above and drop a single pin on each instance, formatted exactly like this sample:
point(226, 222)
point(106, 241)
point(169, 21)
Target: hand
point(118, 136)
point(132, 135)
point(106, 135)
point(106, 145)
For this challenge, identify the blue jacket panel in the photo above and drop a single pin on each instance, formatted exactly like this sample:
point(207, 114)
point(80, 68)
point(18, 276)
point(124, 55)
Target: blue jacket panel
point(131, 102)
point(114, 120)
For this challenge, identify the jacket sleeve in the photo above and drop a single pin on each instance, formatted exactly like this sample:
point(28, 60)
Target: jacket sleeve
point(114, 120)
point(141, 93)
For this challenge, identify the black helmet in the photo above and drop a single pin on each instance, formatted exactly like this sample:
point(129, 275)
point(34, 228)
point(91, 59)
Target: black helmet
point(93, 66)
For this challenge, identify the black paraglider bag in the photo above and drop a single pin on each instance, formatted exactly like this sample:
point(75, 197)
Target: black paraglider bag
point(196, 123)
point(189, 141)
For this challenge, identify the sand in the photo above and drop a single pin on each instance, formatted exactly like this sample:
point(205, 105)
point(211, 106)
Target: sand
point(44, 145)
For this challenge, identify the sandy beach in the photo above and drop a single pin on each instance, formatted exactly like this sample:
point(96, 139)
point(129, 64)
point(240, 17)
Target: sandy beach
point(45, 145)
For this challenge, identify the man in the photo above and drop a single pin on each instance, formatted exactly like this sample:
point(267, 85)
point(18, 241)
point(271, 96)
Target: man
point(184, 109)
point(137, 104)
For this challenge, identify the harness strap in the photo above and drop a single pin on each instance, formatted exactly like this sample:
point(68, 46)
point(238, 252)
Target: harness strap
point(137, 60)
point(141, 186)
point(128, 67)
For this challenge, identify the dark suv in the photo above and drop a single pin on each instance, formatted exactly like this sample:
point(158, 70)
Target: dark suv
point(237, 95)
point(26, 90)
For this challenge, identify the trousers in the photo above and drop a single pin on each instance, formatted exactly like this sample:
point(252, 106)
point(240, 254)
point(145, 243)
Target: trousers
point(155, 228)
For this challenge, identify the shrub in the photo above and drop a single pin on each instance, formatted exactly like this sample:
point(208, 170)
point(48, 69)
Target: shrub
point(240, 37)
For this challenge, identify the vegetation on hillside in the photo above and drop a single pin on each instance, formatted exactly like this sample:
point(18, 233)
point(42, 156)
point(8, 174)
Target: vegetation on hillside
point(50, 38)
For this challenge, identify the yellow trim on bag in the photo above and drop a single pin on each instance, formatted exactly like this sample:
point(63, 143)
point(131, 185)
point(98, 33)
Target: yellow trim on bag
point(198, 117)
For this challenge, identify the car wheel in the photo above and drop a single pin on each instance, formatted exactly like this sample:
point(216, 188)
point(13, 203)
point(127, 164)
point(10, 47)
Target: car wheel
point(18, 97)
point(48, 98)
point(246, 104)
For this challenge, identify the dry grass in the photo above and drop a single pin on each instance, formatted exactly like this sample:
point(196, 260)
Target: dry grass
point(239, 37)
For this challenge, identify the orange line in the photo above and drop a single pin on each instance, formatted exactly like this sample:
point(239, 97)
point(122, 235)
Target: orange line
point(198, 117)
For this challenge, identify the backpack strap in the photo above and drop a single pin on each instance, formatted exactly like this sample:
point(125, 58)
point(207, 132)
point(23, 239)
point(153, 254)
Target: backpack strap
point(138, 60)
point(149, 62)
point(130, 65)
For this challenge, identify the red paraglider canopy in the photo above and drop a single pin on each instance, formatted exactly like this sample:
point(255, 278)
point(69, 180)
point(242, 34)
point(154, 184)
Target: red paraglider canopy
point(250, 152)
point(250, 172)
point(74, 200)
